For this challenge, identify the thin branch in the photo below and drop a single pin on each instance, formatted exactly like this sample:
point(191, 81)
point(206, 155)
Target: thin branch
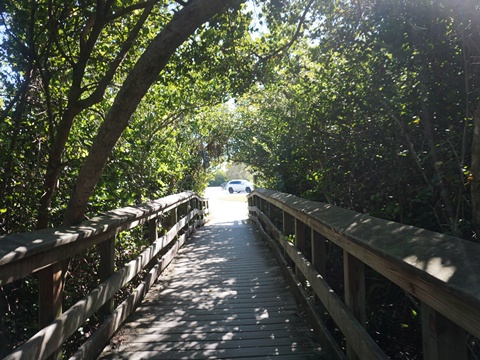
point(131, 8)
point(294, 38)
point(18, 94)
point(99, 92)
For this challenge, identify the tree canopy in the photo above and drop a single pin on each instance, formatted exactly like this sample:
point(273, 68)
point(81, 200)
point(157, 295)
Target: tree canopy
point(76, 74)
point(372, 110)
point(368, 105)
point(371, 105)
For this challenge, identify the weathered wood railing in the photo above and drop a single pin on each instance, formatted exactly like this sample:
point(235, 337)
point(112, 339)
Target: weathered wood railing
point(441, 271)
point(45, 250)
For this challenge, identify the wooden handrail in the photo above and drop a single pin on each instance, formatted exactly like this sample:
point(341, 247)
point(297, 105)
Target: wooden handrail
point(442, 271)
point(23, 254)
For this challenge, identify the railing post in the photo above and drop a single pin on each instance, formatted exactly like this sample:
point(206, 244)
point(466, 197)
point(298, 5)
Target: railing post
point(442, 339)
point(192, 223)
point(105, 270)
point(192, 205)
point(269, 212)
point(50, 297)
point(186, 209)
point(202, 208)
point(173, 218)
point(153, 230)
point(300, 242)
point(319, 257)
point(257, 201)
point(288, 230)
point(354, 278)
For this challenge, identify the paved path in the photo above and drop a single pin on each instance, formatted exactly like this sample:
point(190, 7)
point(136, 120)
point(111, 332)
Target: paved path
point(223, 297)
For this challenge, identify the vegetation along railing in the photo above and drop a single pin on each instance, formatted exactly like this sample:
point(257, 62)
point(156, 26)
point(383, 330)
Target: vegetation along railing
point(439, 273)
point(46, 251)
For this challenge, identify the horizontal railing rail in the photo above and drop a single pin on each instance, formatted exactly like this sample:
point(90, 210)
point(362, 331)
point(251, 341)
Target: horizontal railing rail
point(440, 271)
point(45, 252)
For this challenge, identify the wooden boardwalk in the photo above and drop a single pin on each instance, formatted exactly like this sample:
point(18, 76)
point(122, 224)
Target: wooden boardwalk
point(223, 297)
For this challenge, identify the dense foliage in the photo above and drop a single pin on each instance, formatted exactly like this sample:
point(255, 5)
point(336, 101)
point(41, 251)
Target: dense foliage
point(63, 64)
point(372, 110)
point(65, 67)
point(369, 105)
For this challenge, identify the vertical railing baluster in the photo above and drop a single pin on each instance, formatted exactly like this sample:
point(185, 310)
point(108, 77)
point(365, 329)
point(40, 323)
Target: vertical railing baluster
point(288, 231)
point(105, 270)
point(319, 258)
point(50, 298)
point(192, 207)
point(354, 277)
point(153, 230)
point(268, 211)
point(204, 207)
point(442, 339)
point(173, 218)
point(300, 243)
point(199, 207)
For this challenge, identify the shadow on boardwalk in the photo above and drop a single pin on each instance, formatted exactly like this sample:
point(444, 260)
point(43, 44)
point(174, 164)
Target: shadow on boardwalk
point(223, 297)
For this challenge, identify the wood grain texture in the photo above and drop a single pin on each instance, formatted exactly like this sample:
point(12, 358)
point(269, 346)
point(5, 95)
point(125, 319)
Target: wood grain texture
point(223, 297)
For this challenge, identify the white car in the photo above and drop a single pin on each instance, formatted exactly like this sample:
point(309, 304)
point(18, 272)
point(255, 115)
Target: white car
point(239, 185)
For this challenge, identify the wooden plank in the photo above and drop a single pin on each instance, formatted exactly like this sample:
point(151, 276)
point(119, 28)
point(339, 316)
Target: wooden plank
point(256, 339)
point(280, 353)
point(319, 253)
point(206, 331)
point(319, 257)
point(54, 250)
point(300, 242)
point(153, 230)
point(354, 284)
point(221, 323)
point(50, 252)
point(441, 338)
point(50, 299)
point(106, 269)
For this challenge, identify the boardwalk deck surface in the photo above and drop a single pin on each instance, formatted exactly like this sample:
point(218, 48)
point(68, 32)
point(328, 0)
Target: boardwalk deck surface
point(223, 297)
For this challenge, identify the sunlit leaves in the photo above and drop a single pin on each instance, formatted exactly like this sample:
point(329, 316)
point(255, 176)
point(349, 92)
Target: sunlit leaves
point(360, 112)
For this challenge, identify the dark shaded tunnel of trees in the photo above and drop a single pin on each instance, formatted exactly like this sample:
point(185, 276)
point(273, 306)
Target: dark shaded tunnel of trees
point(370, 105)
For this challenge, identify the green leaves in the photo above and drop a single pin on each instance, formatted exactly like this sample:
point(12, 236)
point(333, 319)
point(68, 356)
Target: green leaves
point(356, 113)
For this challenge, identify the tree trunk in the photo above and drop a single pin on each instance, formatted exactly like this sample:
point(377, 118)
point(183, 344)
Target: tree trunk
point(475, 173)
point(77, 105)
point(183, 24)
